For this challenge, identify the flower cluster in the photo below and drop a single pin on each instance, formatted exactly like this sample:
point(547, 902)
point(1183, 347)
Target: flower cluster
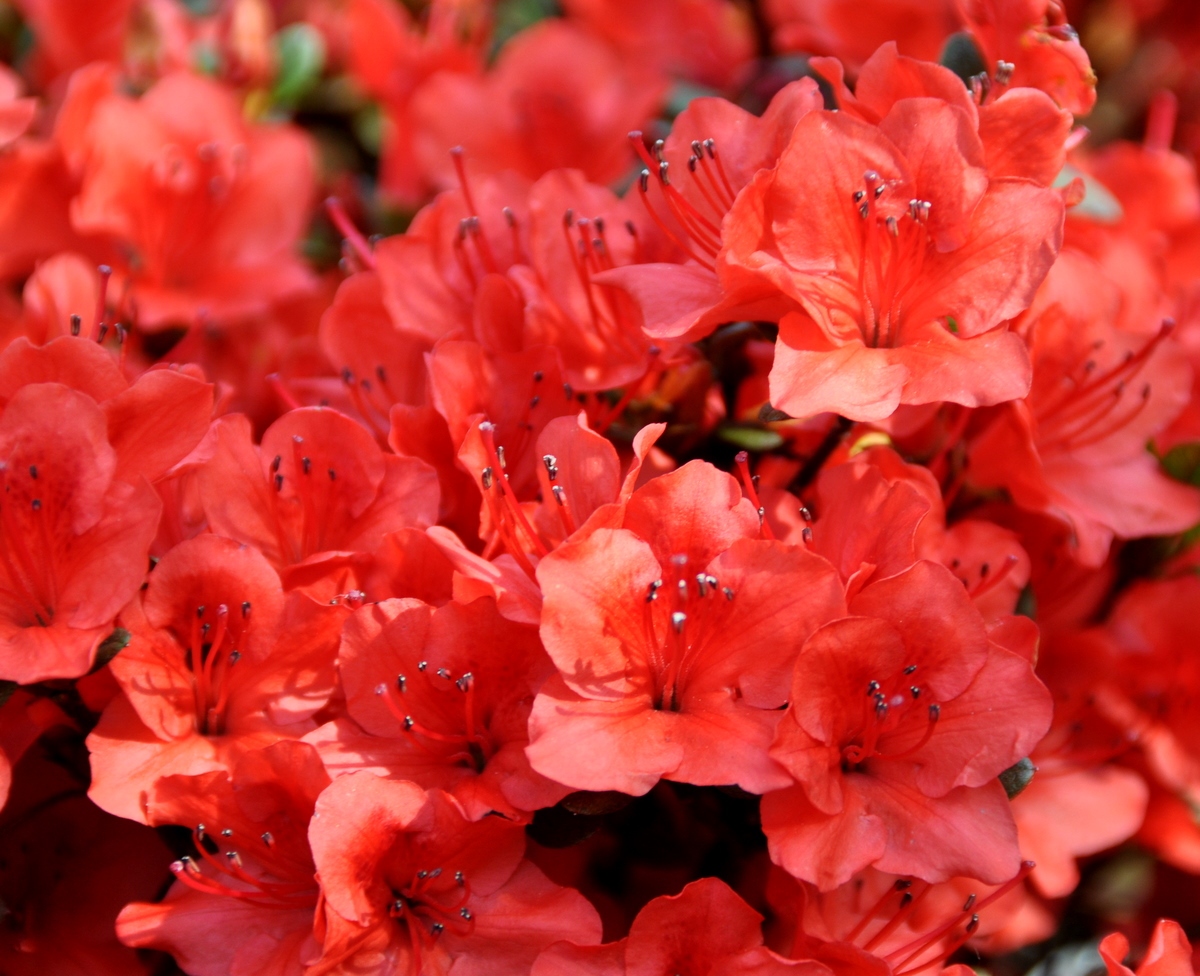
point(714, 490)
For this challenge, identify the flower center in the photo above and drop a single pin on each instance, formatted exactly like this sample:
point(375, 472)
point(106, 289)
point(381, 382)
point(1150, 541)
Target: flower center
point(893, 250)
point(1095, 405)
point(428, 904)
point(227, 875)
point(211, 664)
point(714, 192)
point(887, 712)
point(680, 616)
point(469, 744)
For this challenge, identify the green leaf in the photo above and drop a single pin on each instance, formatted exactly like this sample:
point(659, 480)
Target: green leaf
point(6, 691)
point(1182, 462)
point(961, 55)
point(750, 438)
point(1027, 603)
point(1018, 776)
point(110, 647)
point(514, 16)
point(300, 53)
point(681, 94)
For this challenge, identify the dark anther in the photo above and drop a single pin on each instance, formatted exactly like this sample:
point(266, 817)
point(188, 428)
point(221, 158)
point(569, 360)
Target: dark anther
point(279, 482)
point(33, 471)
point(278, 459)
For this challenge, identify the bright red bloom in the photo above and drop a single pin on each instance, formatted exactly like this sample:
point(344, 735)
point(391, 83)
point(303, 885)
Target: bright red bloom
point(905, 258)
point(442, 698)
point(674, 632)
point(712, 155)
point(986, 558)
point(1029, 43)
point(705, 930)
point(710, 42)
point(1169, 953)
point(1075, 448)
point(219, 662)
point(71, 34)
point(410, 885)
point(35, 195)
point(852, 30)
point(901, 717)
point(318, 485)
point(1147, 682)
point(392, 58)
point(248, 905)
point(209, 208)
point(556, 98)
point(879, 923)
point(75, 535)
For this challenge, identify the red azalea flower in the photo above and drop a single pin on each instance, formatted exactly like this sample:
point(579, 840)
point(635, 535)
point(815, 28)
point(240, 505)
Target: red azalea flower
point(901, 717)
point(674, 632)
point(1075, 448)
point(1022, 132)
point(879, 923)
point(75, 535)
point(705, 930)
point(442, 697)
point(35, 197)
point(74, 33)
point(1145, 688)
point(905, 258)
point(245, 901)
point(410, 885)
point(317, 485)
point(1169, 953)
point(710, 42)
point(211, 208)
point(852, 30)
point(1029, 43)
point(392, 57)
point(713, 153)
point(152, 423)
point(556, 98)
point(219, 662)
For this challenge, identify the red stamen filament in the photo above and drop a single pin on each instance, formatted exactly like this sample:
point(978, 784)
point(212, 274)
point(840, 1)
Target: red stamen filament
point(345, 226)
point(908, 953)
point(488, 431)
point(764, 527)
